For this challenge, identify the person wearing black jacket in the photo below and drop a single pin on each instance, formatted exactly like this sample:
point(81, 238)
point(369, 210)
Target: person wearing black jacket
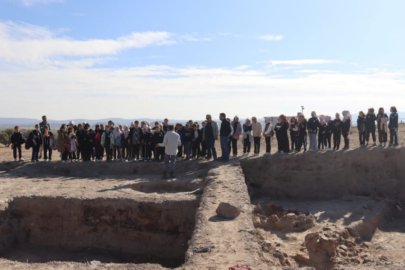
point(346, 123)
point(158, 137)
point(313, 124)
point(80, 132)
point(370, 125)
point(135, 140)
point(281, 130)
point(148, 140)
point(87, 145)
point(187, 133)
point(203, 145)
point(302, 126)
point(196, 138)
point(35, 140)
point(361, 127)
point(393, 126)
point(224, 133)
point(337, 131)
point(17, 140)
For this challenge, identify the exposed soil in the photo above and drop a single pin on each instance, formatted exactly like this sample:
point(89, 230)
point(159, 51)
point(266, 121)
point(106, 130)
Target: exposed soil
point(330, 210)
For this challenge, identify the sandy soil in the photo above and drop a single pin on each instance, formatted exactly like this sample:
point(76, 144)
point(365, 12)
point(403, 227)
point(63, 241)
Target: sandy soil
point(50, 193)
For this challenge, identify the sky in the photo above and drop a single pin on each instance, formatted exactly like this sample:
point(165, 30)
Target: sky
point(183, 59)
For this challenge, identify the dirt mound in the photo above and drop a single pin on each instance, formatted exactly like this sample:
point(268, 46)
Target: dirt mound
point(328, 175)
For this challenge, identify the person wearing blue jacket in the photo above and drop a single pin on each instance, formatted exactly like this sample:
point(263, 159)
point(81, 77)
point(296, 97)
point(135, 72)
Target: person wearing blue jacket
point(393, 126)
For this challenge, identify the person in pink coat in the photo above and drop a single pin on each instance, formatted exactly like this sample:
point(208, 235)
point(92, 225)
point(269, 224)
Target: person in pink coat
point(236, 132)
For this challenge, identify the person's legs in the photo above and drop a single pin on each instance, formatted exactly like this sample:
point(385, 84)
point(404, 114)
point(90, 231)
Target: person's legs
point(256, 145)
point(50, 153)
point(208, 148)
point(392, 131)
point(373, 135)
point(172, 165)
point(268, 145)
point(224, 147)
point(187, 148)
point(15, 152)
point(234, 146)
point(213, 149)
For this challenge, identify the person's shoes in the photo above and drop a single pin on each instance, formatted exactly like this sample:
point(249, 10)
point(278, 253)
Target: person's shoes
point(172, 175)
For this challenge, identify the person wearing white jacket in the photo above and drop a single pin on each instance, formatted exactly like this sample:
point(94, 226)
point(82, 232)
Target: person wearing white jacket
point(257, 130)
point(268, 133)
point(171, 142)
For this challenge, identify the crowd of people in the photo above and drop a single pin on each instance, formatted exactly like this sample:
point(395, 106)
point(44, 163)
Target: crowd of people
point(142, 141)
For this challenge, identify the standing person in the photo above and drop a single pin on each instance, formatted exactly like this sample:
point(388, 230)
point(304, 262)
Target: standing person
point(35, 140)
point(393, 126)
point(97, 143)
point(125, 143)
point(210, 135)
point(63, 142)
point(302, 125)
point(196, 141)
point(42, 126)
point(224, 133)
point(361, 127)
point(158, 137)
point(87, 145)
point(203, 146)
point(328, 132)
point(79, 135)
point(282, 131)
point(107, 142)
point(48, 144)
point(370, 125)
point(135, 140)
point(187, 135)
point(247, 136)
point(237, 131)
point(117, 134)
point(294, 134)
point(170, 142)
point(382, 126)
point(257, 130)
point(313, 124)
point(73, 144)
point(321, 132)
point(17, 139)
point(337, 131)
point(268, 134)
point(165, 124)
point(179, 130)
point(346, 123)
point(147, 139)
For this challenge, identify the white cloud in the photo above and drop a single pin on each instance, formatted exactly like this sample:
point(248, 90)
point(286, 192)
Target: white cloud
point(193, 38)
point(303, 62)
point(29, 3)
point(32, 44)
point(271, 37)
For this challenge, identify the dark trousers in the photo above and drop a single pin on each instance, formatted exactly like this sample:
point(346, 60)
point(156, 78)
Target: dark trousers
point(372, 132)
point(256, 142)
point(15, 148)
point(346, 139)
point(302, 141)
point(321, 140)
point(65, 155)
point(99, 152)
point(246, 145)
point(147, 154)
point(180, 151)
point(362, 137)
point(117, 152)
point(86, 152)
point(72, 155)
point(47, 150)
point(196, 149)
point(382, 135)
point(328, 143)
point(125, 149)
point(268, 144)
point(159, 153)
point(79, 151)
point(108, 153)
point(35, 152)
point(336, 140)
point(234, 143)
point(294, 142)
point(135, 151)
point(394, 136)
point(210, 145)
point(203, 149)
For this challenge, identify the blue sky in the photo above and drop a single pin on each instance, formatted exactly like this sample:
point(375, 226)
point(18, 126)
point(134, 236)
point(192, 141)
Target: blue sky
point(168, 58)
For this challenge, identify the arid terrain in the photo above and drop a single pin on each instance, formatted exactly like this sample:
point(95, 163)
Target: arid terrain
point(326, 210)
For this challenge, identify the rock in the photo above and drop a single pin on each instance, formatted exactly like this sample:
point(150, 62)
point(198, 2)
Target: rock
point(301, 258)
point(227, 210)
point(343, 247)
point(95, 262)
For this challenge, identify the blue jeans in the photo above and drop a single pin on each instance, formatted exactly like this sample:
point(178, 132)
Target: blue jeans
point(225, 147)
point(210, 145)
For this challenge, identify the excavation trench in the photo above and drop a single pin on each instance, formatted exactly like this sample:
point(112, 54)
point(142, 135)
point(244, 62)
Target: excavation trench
point(42, 229)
